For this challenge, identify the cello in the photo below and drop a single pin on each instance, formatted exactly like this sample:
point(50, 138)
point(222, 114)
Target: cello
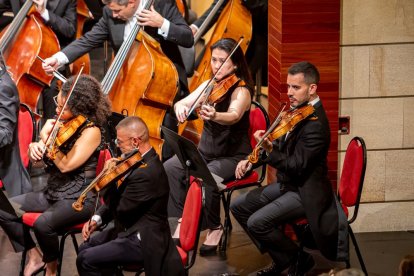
point(234, 22)
point(139, 71)
point(25, 38)
point(83, 14)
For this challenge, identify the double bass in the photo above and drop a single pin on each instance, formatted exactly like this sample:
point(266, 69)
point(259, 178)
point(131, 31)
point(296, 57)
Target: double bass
point(24, 39)
point(138, 74)
point(82, 15)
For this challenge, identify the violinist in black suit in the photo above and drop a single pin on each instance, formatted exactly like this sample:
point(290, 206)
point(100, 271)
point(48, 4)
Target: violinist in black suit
point(138, 206)
point(302, 188)
point(14, 176)
point(60, 16)
point(162, 21)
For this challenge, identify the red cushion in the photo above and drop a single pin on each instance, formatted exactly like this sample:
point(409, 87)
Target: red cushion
point(30, 218)
point(1, 184)
point(352, 170)
point(251, 178)
point(183, 255)
point(191, 216)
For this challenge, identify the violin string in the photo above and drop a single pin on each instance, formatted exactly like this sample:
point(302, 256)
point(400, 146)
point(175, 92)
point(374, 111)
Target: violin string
point(196, 102)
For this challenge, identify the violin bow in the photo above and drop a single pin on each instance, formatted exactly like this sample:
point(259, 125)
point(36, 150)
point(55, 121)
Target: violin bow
point(273, 125)
point(205, 89)
point(56, 73)
point(53, 133)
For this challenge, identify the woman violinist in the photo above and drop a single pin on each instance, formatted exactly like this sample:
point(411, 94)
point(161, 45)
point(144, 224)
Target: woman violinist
point(71, 169)
point(224, 139)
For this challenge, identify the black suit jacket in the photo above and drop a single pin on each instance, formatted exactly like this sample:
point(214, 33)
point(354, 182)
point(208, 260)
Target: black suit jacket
point(140, 205)
point(112, 29)
point(15, 178)
point(62, 17)
point(301, 163)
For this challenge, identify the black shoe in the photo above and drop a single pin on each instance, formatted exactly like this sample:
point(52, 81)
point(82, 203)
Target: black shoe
point(302, 265)
point(208, 250)
point(271, 270)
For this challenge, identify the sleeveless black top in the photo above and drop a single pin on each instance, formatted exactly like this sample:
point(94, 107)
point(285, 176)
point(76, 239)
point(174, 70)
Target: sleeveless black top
point(218, 141)
point(71, 184)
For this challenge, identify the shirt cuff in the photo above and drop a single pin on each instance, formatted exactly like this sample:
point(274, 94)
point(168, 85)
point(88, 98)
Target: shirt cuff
point(61, 58)
point(195, 26)
point(163, 31)
point(45, 15)
point(97, 219)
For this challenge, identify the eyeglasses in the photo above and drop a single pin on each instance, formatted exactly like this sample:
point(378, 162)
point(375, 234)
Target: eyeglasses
point(120, 142)
point(56, 102)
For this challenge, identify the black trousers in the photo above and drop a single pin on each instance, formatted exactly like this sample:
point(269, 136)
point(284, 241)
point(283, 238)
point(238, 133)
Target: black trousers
point(103, 253)
point(223, 167)
point(56, 217)
point(262, 212)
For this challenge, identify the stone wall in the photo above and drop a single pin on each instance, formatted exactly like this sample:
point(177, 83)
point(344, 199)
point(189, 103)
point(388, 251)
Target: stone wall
point(377, 92)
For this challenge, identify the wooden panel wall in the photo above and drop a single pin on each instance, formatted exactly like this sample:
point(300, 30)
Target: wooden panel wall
point(306, 30)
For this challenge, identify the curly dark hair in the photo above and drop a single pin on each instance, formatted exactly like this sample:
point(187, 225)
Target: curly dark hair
point(87, 99)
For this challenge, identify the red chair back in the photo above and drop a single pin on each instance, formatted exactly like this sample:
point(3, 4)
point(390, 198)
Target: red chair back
point(104, 155)
point(26, 132)
point(190, 222)
point(353, 174)
point(258, 121)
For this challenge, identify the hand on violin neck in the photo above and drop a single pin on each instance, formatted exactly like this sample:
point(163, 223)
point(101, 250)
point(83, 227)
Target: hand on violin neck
point(47, 129)
point(208, 112)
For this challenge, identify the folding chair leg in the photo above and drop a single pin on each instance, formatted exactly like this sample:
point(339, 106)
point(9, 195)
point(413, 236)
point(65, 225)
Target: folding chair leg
point(354, 241)
point(223, 245)
point(23, 262)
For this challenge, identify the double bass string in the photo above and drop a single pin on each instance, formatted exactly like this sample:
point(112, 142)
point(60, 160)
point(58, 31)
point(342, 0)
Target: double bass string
point(115, 67)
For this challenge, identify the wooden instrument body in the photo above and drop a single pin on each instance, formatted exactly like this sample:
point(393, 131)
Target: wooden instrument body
point(32, 39)
point(146, 85)
point(83, 14)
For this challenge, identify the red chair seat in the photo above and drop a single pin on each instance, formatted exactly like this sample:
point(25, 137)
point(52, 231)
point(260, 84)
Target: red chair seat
point(1, 184)
point(30, 218)
point(248, 180)
point(183, 255)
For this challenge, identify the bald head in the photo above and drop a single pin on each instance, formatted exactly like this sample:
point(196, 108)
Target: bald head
point(135, 126)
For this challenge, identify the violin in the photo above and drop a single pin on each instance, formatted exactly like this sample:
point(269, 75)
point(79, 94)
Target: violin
point(110, 175)
point(220, 89)
point(65, 132)
point(284, 123)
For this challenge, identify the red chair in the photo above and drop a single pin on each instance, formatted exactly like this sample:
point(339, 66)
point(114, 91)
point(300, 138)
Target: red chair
point(189, 230)
point(349, 193)
point(30, 218)
point(191, 224)
point(26, 131)
point(350, 186)
point(259, 120)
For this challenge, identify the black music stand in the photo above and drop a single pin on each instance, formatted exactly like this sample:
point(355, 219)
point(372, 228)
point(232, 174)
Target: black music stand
point(189, 156)
point(7, 206)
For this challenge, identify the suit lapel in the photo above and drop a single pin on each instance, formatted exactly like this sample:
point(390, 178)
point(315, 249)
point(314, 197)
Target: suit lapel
point(52, 4)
